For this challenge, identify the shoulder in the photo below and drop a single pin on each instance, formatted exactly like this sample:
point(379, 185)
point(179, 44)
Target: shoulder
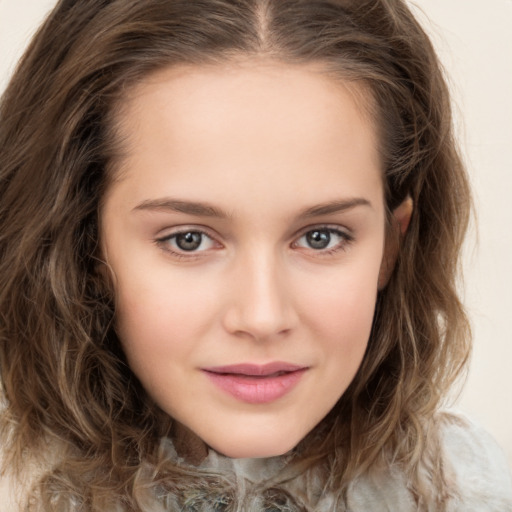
point(10, 489)
point(15, 487)
point(17, 479)
point(7, 479)
point(476, 468)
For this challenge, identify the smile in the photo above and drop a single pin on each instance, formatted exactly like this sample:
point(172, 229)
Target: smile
point(256, 384)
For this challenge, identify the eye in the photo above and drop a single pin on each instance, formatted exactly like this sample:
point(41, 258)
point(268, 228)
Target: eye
point(190, 241)
point(323, 239)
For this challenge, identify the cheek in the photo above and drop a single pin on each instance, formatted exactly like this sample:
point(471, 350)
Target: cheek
point(346, 326)
point(343, 306)
point(158, 316)
point(340, 316)
point(344, 303)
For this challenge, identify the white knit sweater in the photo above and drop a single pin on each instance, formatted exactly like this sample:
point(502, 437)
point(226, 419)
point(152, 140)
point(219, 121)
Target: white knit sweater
point(475, 465)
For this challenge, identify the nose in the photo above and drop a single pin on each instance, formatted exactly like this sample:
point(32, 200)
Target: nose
point(261, 305)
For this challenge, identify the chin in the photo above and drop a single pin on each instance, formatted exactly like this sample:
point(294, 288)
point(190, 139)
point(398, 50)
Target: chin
point(248, 449)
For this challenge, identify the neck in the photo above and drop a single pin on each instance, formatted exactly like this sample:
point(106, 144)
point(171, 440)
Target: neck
point(188, 445)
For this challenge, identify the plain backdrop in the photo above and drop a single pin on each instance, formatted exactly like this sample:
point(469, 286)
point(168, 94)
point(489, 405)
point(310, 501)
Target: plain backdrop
point(474, 40)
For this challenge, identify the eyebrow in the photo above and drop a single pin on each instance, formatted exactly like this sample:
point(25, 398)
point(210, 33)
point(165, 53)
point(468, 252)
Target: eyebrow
point(334, 207)
point(198, 209)
point(201, 209)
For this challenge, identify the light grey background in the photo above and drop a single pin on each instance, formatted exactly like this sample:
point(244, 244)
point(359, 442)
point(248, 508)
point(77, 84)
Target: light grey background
point(474, 39)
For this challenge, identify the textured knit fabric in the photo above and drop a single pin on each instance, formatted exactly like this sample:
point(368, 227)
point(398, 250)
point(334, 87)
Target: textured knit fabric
point(476, 469)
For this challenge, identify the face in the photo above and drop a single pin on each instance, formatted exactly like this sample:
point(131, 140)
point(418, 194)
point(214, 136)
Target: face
point(245, 233)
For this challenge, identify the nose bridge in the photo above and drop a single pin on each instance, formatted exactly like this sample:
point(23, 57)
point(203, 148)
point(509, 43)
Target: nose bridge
point(261, 305)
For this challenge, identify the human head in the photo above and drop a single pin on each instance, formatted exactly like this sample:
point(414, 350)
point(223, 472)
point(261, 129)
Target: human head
point(59, 152)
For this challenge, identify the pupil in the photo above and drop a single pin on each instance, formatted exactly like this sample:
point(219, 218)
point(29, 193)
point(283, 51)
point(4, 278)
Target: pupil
point(318, 239)
point(189, 241)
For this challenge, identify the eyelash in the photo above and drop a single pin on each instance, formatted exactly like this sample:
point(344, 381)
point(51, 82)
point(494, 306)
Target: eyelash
point(163, 243)
point(345, 240)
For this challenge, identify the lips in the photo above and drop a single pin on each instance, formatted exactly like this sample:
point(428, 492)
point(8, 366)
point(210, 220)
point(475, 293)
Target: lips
point(256, 384)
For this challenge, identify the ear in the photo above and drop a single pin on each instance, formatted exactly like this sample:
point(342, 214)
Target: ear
point(399, 224)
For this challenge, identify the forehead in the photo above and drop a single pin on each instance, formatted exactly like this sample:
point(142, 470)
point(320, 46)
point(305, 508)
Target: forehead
point(204, 95)
point(263, 120)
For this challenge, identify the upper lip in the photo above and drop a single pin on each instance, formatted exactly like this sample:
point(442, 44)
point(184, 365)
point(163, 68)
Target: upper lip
point(256, 370)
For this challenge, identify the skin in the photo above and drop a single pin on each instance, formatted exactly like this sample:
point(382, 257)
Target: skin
point(265, 147)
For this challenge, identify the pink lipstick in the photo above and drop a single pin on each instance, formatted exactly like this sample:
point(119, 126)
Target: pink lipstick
point(256, 384)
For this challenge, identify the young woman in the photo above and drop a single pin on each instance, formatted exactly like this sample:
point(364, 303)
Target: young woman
point(229, 234)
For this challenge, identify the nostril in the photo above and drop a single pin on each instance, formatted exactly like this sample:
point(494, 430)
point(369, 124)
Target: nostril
point(260, 305)
point(259, 322)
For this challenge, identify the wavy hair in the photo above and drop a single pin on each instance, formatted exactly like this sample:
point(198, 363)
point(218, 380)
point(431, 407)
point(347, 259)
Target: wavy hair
point(63, 373)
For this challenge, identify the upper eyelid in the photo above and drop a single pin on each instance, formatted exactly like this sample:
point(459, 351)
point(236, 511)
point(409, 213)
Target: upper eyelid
point(329, 227)
point(172, 232)
point(169, 232)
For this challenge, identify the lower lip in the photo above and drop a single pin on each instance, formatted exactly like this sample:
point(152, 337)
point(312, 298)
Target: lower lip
point(256, 390)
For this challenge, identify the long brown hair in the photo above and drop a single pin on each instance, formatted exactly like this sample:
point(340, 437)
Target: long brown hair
point(63, 373)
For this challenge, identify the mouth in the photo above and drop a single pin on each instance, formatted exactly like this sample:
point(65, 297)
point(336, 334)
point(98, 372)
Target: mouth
point(256, 384)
